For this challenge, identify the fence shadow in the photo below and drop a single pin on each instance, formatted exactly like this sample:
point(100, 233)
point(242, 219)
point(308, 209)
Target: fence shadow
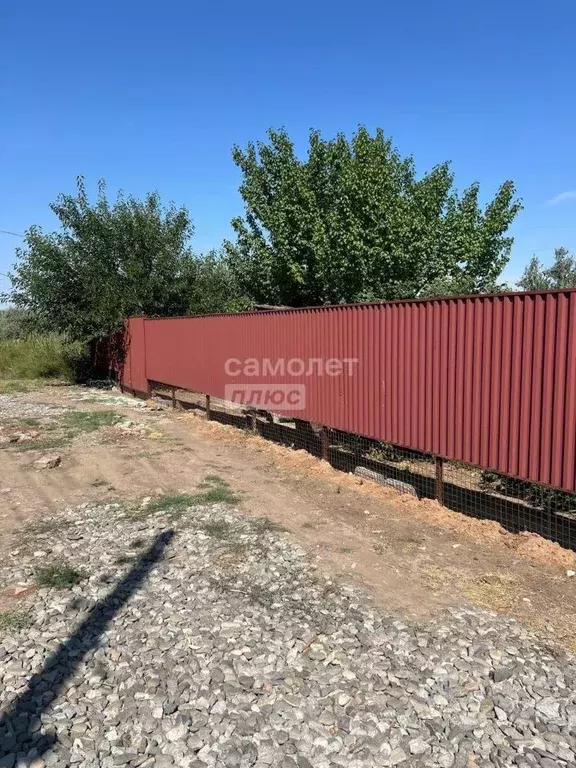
point(20, 724)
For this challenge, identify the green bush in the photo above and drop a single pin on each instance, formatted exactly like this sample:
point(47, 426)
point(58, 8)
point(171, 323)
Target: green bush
point(537, 496)
point(38, 357)
point(13, 323)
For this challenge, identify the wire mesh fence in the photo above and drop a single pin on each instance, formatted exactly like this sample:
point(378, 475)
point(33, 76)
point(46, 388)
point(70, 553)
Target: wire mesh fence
point(517, 505)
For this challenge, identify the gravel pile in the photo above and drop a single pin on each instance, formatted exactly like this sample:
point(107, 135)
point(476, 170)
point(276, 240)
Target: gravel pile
point(207, 638)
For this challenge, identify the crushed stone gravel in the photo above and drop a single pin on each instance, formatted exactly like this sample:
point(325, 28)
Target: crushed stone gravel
point(14, 407)
point(205, 637)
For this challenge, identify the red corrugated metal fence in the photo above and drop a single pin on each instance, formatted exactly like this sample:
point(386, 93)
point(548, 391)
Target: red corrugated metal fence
point(487, 380)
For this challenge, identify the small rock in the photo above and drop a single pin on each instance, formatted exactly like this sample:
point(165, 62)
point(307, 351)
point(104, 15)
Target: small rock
point(48, 462)
point(397, 756)
point(501, 673)
point(217, 675)
point(178, 733)
point(418, 746)
point(219, 708)
point(548, 707)
point(445, 759)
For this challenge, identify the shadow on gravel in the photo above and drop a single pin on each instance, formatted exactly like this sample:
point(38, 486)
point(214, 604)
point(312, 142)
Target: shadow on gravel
point(20, 725)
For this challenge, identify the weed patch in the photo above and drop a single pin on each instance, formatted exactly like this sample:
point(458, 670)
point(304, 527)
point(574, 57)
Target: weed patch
point(26, 422)
point(42, 527)
point(215, 495)
point(70, 425)
point(46, 444)
point(78, 422)
point(173, 504)
point(263, 525)
point(13, 620)
point(59, 576)
point(214, 479)
point(214, 490)
point(14, 387)
point(218, 529)
point(38, 357)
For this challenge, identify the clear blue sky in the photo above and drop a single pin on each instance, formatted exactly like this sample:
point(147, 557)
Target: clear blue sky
point(154, 95)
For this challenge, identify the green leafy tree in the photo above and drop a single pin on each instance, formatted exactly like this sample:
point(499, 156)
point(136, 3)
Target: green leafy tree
point(560, 274)
point(215, 288)
point(106, 262)
point(354, 222)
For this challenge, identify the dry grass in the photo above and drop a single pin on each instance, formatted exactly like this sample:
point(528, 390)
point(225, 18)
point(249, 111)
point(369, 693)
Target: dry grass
point(496, 591)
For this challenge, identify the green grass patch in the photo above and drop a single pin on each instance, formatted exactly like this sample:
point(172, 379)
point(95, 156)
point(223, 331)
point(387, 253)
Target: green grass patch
point(174, 504)
point(14, 620)
point(214, 490)
point(89, 421)
point(25, 422)
point(48, 356)
point(220, 494)
point(70, 425)
point(60, 576)
point(14, 386)
point(214, 480)
point(45, 444)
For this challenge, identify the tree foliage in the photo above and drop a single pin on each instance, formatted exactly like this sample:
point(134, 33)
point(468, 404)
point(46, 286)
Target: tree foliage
point(14, 324)
point(560, 274)
point(109, 261)
point(215, 288)
point(354, 222)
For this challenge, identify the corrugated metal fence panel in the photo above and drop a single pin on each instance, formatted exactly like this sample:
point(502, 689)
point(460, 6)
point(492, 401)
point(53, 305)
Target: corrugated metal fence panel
point(134, 367)
point(488, 380)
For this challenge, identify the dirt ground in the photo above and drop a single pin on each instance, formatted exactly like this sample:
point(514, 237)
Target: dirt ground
point(415, 557)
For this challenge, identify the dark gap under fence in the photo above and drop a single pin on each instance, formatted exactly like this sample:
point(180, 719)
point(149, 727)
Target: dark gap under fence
point(460, 487)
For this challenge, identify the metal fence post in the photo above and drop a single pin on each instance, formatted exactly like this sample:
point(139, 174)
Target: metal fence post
point(208, 407)
point(440, 480)
point(325, 437)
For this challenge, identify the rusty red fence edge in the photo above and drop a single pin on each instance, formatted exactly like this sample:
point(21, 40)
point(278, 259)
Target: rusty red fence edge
point(485, 380)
